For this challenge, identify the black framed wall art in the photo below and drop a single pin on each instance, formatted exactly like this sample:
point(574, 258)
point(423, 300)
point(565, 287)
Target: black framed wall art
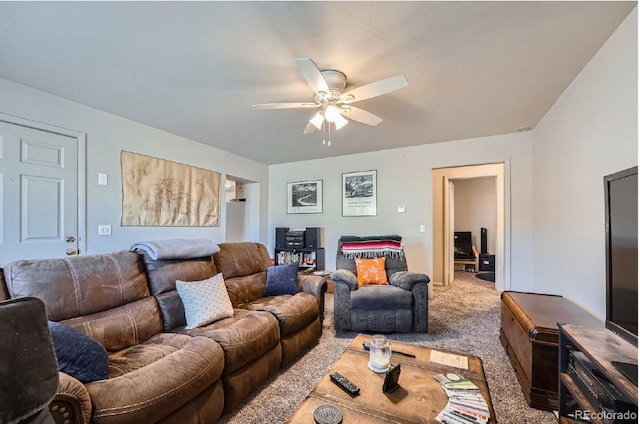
point(359, 196)
point(304, 197)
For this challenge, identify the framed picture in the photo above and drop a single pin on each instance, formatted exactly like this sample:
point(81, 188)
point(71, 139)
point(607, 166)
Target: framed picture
point(304, 197)
point(359, 193)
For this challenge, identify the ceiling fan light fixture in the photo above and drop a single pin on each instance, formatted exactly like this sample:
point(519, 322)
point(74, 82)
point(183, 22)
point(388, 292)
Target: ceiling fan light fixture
point(329, 90)
point(332, 114)
point(340, 122)
point(317, 120)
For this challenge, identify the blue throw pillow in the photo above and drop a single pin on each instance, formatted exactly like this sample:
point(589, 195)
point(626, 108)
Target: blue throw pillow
point(282, 279)
point(79, 355)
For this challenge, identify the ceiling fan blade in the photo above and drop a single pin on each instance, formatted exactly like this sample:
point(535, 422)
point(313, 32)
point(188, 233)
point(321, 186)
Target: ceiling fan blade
point(361, 115)
point(309, 128)
point(374, 89)
point(284, 105)
point(312, 75)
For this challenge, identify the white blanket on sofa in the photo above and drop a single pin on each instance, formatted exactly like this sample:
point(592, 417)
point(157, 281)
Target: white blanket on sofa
point(177, 248)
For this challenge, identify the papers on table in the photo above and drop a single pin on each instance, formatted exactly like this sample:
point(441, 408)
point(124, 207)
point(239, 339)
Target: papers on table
point(466, 404)
point(449, 359)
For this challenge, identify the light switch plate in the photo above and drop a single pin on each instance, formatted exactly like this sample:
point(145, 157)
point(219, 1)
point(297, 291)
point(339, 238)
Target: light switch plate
point(402, 209)
point(104, 230)
point(102, 179)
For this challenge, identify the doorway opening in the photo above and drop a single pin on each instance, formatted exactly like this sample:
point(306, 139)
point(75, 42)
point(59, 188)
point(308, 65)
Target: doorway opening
point(444, 180)
point(242, 200)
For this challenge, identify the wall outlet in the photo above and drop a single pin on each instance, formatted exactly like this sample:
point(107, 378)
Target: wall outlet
point(104, 230)
point(402, 209)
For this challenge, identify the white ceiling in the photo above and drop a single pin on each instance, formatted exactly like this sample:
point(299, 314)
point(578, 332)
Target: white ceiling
point(194, 69)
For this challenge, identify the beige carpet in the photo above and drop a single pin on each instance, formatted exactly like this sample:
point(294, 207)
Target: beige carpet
point(464, 316)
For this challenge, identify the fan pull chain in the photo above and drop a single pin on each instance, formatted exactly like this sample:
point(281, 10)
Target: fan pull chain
point(323, 138)
point(329, 142)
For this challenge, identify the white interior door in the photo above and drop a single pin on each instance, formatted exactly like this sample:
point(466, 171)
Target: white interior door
point(39, 197)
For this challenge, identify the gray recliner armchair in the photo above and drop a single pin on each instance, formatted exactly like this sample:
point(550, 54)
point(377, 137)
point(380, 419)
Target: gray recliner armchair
point(400, 306)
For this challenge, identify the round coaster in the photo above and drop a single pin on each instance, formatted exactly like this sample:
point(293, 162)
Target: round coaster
point(327, 414)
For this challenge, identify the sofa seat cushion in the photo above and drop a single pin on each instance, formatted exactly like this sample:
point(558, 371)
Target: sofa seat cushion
point(244, 337)
point(145, 353)
point(381, 297)
point(166, 372)
point(292, 312)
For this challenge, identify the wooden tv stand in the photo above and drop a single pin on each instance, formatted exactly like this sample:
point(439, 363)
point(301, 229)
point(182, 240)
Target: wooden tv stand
point(601, 347)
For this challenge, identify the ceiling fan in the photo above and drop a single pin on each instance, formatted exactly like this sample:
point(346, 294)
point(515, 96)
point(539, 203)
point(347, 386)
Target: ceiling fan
point(336, 104)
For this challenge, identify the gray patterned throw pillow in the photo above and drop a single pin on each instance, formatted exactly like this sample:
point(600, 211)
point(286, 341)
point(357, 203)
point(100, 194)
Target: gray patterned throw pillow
point(204, 301)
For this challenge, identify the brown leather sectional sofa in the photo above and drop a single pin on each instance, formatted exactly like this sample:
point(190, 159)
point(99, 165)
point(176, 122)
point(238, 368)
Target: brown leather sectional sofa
point(159, 371)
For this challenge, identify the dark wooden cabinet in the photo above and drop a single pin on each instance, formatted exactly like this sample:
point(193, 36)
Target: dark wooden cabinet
point(529, 334)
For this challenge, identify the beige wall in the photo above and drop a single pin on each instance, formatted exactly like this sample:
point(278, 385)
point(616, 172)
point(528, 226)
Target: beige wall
point(106, 136)
point(475, 207)
point(405, 178)
point(591, 131)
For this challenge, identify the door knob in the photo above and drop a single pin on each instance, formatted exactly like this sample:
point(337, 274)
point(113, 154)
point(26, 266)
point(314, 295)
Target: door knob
point(71, 251)
point(71, 239)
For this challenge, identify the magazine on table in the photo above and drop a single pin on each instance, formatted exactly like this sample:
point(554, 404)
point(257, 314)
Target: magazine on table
point(466, 404)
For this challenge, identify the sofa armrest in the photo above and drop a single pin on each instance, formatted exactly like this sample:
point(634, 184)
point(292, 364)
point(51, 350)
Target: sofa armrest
point(344, 282)
point(153, 392)
point(72, 403)
point(406, 280)
point(315, 285)
point(344, 276)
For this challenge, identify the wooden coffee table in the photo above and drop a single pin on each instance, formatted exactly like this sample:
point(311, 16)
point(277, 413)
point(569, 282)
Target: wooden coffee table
point(419, 399)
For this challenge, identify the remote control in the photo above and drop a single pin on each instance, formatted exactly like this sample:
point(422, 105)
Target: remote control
point(344, 382)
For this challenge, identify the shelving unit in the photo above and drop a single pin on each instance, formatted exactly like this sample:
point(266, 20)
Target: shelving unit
point(601, 347)
point(302, 246)
point(306, 257)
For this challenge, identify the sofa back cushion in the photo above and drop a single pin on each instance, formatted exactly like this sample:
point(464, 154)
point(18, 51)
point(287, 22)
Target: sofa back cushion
point(244, 268)
point(121, 327)
point(241, 259)
point(104, 296)
point(79, 285)
point(163, 274)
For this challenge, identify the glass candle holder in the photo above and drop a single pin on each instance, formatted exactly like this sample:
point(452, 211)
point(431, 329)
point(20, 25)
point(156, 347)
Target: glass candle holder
point(379, 353)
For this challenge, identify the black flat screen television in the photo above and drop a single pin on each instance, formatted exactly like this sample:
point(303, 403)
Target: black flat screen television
point(621, 228)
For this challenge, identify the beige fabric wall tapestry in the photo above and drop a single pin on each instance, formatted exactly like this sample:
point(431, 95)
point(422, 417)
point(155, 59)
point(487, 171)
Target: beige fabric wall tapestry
point(157, 192)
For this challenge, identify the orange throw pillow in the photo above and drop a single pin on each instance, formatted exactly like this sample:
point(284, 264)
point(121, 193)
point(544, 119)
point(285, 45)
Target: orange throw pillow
point(371, 271)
